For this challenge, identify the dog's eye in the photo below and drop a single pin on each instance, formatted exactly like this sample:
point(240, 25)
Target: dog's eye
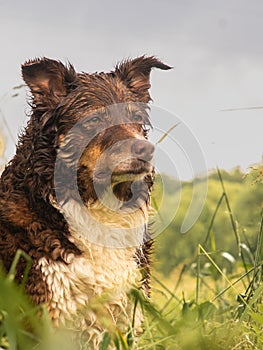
point(94, 120)
point(137, 118)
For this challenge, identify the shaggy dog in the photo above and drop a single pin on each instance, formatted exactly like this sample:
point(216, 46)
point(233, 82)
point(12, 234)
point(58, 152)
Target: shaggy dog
point(75, 197)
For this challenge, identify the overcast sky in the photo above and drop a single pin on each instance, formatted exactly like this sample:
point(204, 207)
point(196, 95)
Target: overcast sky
point(215, 47)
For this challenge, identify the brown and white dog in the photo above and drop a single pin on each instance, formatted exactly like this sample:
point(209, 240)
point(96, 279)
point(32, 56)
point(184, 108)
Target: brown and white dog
point(75, 197)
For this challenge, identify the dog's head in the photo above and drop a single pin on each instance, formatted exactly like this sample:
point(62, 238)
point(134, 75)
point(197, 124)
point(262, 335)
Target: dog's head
point(92, 129)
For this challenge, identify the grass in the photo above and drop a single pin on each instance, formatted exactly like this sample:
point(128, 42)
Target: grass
point(201, 306)
point(21, 327)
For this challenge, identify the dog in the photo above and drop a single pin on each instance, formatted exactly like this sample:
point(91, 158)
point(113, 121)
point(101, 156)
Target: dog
point(76, 195)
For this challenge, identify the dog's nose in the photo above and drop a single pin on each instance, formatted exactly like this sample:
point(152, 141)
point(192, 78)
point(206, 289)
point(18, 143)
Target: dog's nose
point(143, 150)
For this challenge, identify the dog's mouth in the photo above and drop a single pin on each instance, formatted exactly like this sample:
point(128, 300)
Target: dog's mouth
point(128, 182)
point(128, 170)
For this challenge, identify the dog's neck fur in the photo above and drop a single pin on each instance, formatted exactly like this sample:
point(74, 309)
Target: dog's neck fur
point(105, 222)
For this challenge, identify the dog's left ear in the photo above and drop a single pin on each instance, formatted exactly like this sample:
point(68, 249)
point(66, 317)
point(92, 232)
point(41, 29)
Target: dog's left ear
point(48, 80)
point(136, 73)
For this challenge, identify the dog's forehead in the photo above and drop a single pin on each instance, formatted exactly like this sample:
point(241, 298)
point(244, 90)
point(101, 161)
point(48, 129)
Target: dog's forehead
point(105, 89)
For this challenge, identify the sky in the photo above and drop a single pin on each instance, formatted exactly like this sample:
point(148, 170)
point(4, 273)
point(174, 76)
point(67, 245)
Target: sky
point(214, 46)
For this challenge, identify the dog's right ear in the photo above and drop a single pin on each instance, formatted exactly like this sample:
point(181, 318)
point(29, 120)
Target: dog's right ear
point(135, 74)
point(48, 80)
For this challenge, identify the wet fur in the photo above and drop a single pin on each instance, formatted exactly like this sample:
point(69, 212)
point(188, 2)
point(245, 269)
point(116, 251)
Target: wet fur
point(67, 269)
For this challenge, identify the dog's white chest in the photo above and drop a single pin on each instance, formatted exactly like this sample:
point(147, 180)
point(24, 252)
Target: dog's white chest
point(92, 290)
point(101, 276)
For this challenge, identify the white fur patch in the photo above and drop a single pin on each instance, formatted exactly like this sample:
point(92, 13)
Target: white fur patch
point(97, 281)
point(105, 223)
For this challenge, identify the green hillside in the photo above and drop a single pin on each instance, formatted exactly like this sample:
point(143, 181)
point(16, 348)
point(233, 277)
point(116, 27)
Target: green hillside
point(245, 196)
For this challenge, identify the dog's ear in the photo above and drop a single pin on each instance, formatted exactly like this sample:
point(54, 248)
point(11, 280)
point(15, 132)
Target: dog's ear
point(136, 73)
point(48, 80)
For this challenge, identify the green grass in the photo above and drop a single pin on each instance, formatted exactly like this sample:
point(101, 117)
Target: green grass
point(21, 326)
point(212, 301)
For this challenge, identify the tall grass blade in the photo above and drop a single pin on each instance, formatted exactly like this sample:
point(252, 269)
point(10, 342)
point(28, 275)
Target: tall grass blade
point(233, 222)
point(12, 271)
point(232, 285)
point(213, 218)
point(259, 250)
point(165, 288)
point(105, 342)
point(167, 133)
point(198, 269)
